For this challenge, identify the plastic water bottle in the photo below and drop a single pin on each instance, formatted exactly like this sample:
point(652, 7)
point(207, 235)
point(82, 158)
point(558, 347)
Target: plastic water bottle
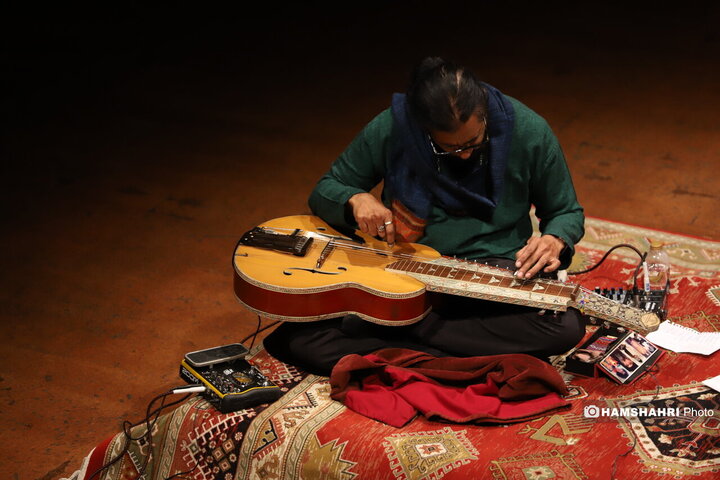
point(657, 276)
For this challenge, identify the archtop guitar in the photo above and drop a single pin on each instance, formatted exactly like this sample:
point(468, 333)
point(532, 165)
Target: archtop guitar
point(300, 269)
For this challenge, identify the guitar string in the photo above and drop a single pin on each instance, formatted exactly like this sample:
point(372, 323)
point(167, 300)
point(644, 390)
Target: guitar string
point(373, 252)
point(368, 251)
point(571, 291)
point(320, 237)
point(564, 287)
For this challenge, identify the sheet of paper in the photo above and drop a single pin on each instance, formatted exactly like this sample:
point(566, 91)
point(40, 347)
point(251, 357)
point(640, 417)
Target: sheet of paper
point(684, 340)
point(713, 383)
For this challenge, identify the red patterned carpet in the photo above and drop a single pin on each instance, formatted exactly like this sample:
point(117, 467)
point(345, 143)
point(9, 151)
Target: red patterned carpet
point(307, 435)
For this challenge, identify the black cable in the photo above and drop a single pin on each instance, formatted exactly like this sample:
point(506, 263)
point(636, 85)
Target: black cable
point(626, 245)
point(258, 330)
point(149, 425)
point(617, 457)
point(127, 427)
point(182, 474)
point(197, 461)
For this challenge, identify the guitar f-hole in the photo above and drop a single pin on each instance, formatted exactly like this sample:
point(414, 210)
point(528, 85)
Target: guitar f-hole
point(313, 270)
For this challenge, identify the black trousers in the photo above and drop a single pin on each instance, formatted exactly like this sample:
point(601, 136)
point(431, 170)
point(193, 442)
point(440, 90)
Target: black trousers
point(457, 326)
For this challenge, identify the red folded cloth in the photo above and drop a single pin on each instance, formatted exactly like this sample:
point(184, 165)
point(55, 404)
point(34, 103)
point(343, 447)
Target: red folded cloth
point(393, 385)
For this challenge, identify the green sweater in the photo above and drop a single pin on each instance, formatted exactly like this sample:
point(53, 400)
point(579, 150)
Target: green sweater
point(536, 175)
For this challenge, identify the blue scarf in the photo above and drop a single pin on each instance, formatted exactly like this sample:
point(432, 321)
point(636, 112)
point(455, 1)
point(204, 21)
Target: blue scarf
point(415, 182)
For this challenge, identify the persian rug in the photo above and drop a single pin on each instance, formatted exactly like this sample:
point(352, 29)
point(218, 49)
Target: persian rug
point(306, 435)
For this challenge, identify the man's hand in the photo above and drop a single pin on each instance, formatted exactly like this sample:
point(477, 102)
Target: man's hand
point(538, 253)
point(373, 217)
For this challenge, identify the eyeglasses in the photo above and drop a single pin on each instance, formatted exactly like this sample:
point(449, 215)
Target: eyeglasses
point(481, 144)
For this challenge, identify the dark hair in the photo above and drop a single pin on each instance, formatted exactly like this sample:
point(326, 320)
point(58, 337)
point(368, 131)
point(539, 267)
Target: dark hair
point(443, 95)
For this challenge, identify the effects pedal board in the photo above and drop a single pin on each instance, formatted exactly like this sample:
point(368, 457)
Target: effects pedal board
point(231, 382)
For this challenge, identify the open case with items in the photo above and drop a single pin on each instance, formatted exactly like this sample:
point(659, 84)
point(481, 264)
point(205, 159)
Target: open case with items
point(620, 354)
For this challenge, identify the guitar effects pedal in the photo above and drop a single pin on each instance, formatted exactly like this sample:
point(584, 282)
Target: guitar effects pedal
point(231, 382)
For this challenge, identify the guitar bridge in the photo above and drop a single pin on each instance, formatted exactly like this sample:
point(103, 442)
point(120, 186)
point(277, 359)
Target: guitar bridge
point(295, 243)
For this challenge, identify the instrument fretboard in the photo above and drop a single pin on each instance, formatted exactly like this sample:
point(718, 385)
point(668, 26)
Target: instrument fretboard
point(472, 279)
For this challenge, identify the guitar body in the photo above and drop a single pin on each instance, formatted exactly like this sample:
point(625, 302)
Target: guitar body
point(288, 287)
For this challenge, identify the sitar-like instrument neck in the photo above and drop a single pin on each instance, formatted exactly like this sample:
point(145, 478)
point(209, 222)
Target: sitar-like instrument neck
point(477, 280)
